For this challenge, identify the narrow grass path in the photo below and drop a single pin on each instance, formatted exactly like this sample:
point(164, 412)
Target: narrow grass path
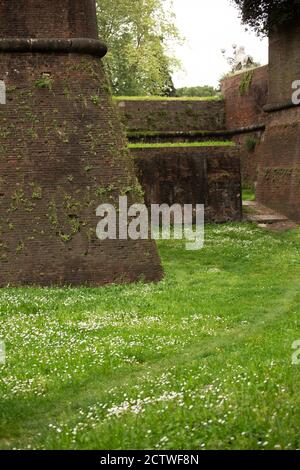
point(201, 360)
point(209, 143)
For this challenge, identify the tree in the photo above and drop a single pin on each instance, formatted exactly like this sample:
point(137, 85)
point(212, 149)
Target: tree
point(201, 91)
point(139, 35)
point(264, 15)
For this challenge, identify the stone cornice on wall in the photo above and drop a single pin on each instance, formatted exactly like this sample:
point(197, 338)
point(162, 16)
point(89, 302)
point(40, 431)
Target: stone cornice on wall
point(53, 45)
point(274, 107)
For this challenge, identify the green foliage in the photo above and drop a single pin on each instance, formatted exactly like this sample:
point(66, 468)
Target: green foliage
point(201, 91)
point(250, 144)
point(138, 35)
point(95, 99)
point(36, 191)
point(246, 82)
point(264, 15)
point(45, 81)
point(202, 359)
point(276, 174)
point(248, 194)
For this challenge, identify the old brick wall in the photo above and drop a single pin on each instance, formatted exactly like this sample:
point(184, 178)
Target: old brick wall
point(171, 115)
point(48, 19)
point(249, 145)
point(204, 175)
point(240, 110)
point(244, 105)
point(279, 168)
point(62, 154)
point(279, 171)
point(284, 61)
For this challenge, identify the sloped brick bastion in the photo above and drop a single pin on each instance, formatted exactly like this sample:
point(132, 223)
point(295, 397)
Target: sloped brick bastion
point(62, 152)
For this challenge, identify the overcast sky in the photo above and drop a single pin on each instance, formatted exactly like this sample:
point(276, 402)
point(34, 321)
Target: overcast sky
point(209, 26)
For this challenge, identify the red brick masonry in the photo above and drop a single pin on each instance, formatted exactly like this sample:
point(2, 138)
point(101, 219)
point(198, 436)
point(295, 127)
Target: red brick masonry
point(62, 153)
point(279, 168)
point(204, 175)
point(171, 115)
point(245, 110)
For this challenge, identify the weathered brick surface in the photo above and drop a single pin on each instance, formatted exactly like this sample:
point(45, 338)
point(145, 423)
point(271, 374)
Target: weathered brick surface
point(48, 19)
point(249, 156)
point(284, 61)
point(62, 153)
point(204, 175)
point(171, 115)
point(246, 109)
point(279, 167)
point(279, 170)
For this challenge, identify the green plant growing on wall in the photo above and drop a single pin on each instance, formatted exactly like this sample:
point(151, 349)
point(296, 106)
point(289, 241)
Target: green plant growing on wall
point(64, 237)
point(246, 82)
point(95, 99)
point(104, 190)
point(250, 144)
point(45, 81)
point(52, 214)
point(36, 191)
point(32, 133)
point(74, 224)
point(277, 174)
point(20, 247)
point(18, 198)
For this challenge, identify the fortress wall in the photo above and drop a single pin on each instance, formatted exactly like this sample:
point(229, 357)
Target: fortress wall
point(63, 153)
point(279, 168)
point(245, 95)
point(48, 19)
point(171, 115)
point(284, 61)
point(189, 175)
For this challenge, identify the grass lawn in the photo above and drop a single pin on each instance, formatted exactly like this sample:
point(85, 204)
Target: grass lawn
point(200, 360)
point(248, 194)
point(217, 143)
point(165, 98)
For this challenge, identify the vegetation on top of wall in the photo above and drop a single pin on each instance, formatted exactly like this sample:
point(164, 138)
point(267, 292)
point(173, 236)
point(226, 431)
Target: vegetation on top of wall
point(240, 72)
point(140, 135)
point(226, 143)
point(165, 98)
